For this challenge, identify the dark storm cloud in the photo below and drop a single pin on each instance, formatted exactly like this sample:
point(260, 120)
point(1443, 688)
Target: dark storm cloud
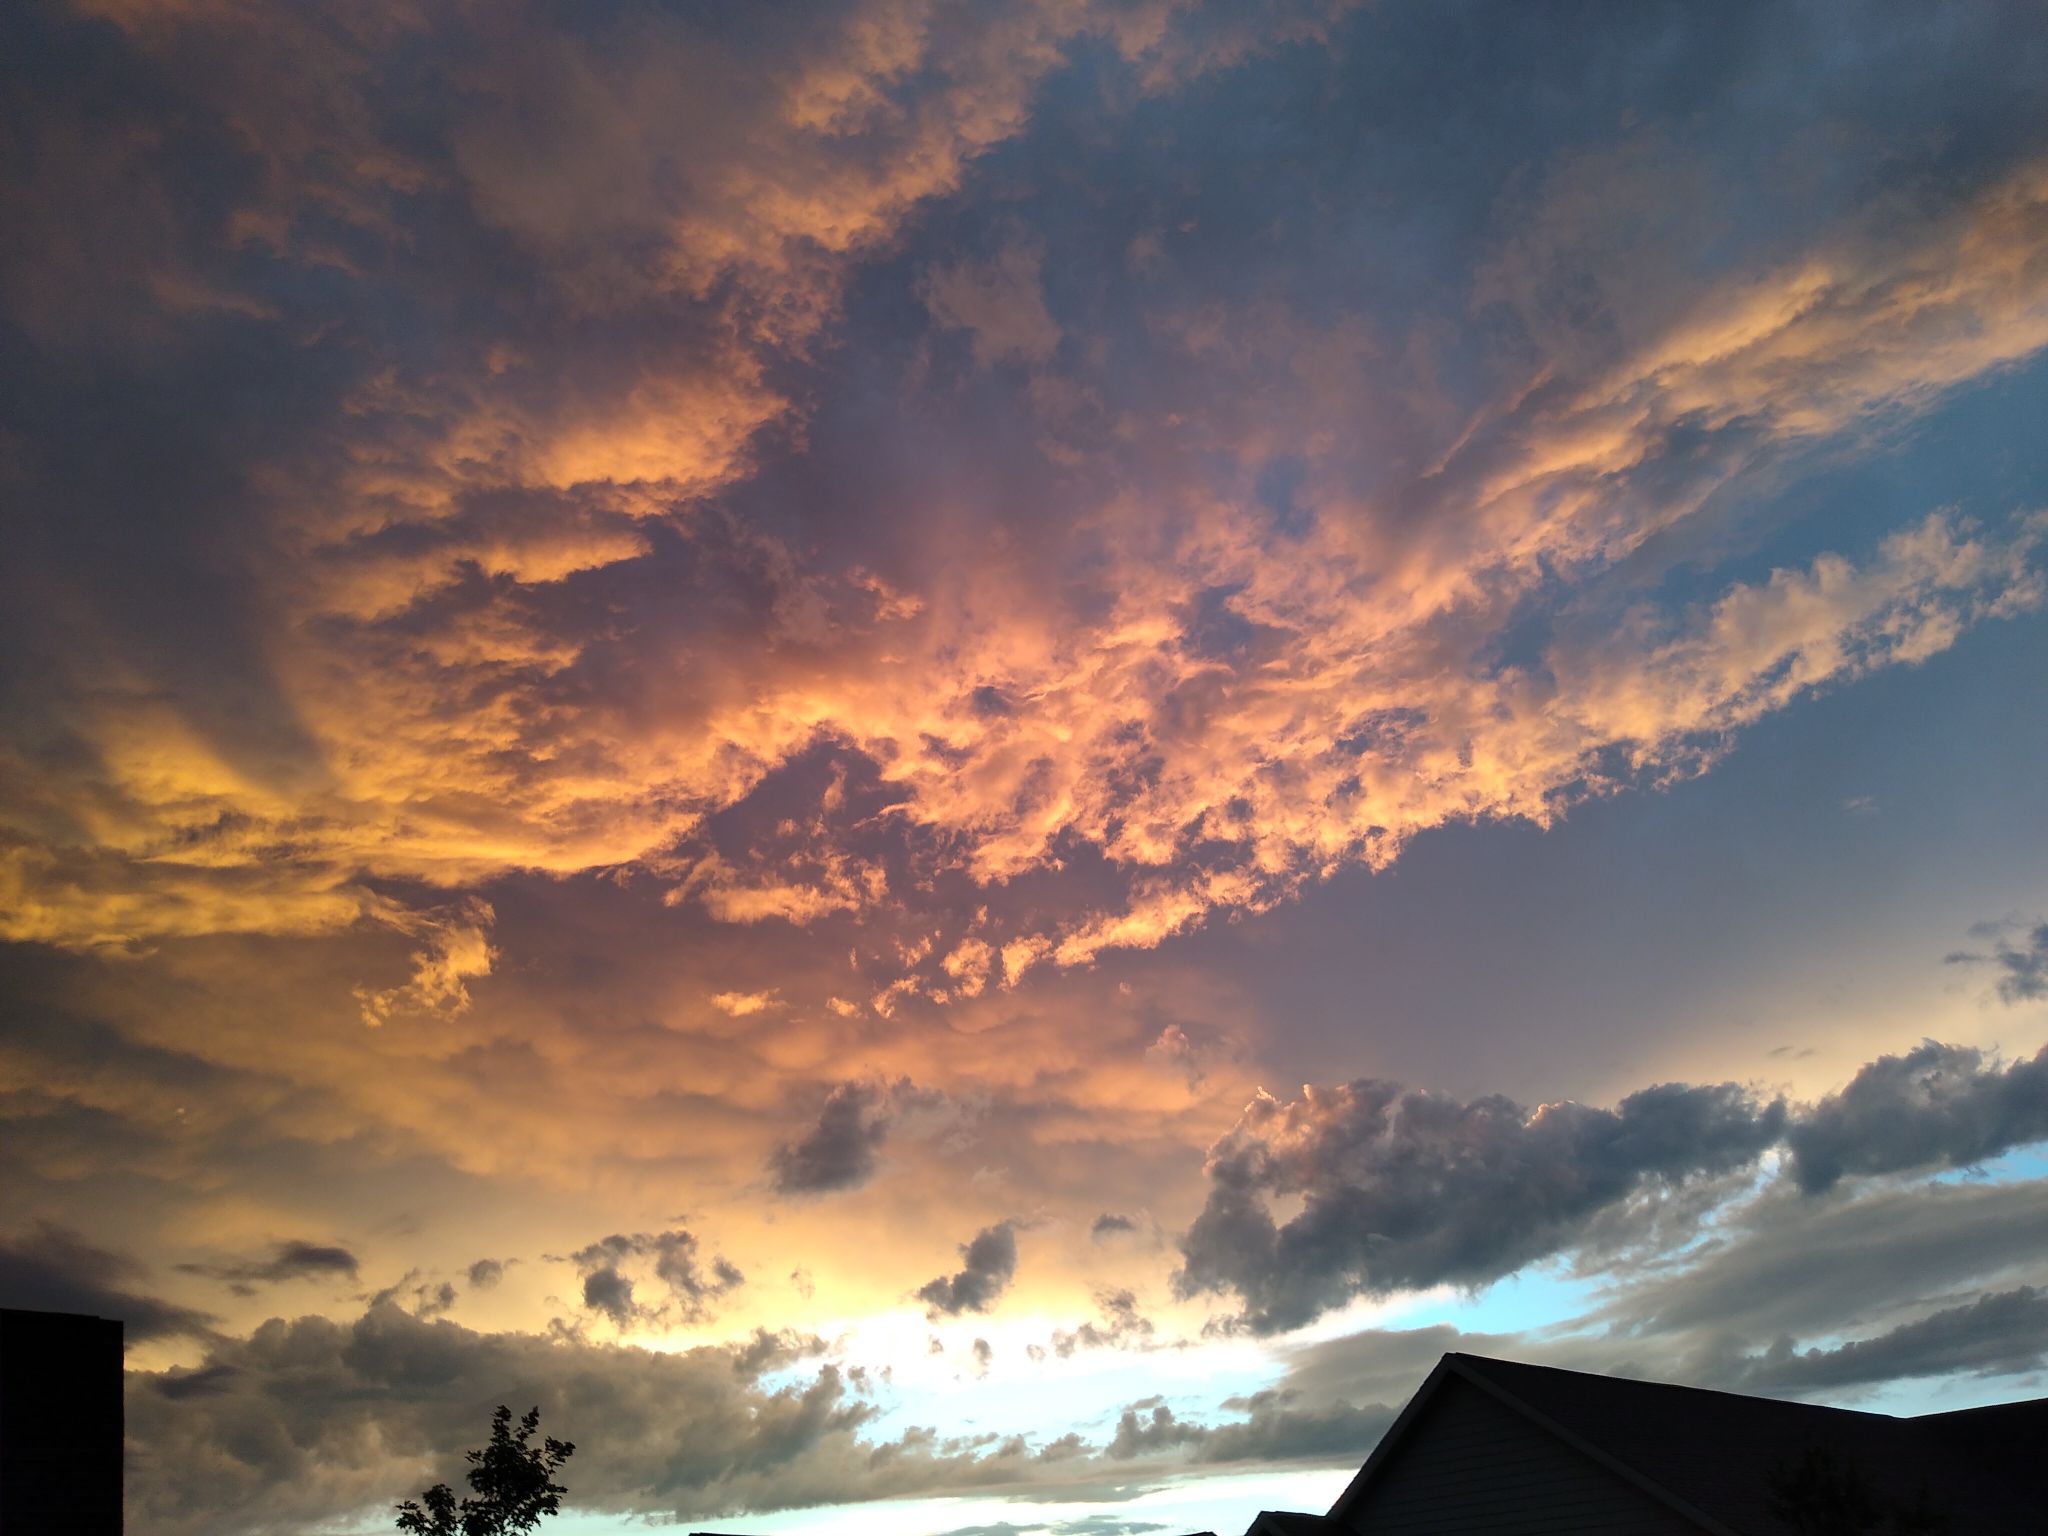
point(1408, 1189)
point(1109, 1224)
point(608, 1289)
point(1790, 1264)
point(2000, 1333)
point(51, 1269)
point(1405, 1189)
point(295, 1259)
point(2024, 964)
point(1936, 1106)
point(840, 1151)
point(990, 1263)
point(1922, 1281)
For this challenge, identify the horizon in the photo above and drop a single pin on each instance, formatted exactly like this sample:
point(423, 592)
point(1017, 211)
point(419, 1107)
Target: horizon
point(959, 766)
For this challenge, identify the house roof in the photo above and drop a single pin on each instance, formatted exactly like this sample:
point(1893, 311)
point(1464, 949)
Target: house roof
point(1293, 1522)
point(1716, 1457)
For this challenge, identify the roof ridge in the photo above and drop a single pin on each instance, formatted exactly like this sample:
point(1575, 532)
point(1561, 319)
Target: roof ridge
point(1679, 1386)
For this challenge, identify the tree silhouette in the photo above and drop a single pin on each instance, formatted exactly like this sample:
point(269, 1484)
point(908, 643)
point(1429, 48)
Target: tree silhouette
point(513, 1481)
point(1822, 1495)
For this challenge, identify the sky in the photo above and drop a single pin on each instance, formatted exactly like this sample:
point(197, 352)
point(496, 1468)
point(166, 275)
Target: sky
point(955, 766)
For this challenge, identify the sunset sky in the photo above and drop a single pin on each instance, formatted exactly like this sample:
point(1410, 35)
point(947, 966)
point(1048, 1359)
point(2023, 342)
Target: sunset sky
point(956, 765)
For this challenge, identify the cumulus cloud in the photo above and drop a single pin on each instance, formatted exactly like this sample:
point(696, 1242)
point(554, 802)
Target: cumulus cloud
point(407, 684)
point(309, 1417)
point(1111, 1224)
point(335, 1416)
point(485, 1273)
point(291, 1260)
point(842, 1150)
point(1403, 1189)
point(52, 1269)
point(1122, 1326)
point(1935, 1106)
point(989, 1264)
point(691, 1289)
point(1407, 1189)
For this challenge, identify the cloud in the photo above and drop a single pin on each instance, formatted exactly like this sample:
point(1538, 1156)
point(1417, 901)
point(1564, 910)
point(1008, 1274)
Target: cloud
point(1000, 303)
point(291, 1260)
point(2025, 964)
point(1148, 1427)
point(330, 1416)
point(501, 601)
point(1999, 1333)
point(1110, 1224)
point(485, 1273)
point(1404, 1189)
point(1273, 1429)
point(608, 1289)
point(52, 1269)
point(990, 1264)
point(428, 1298)
point(840, 1151)
point(1122, 1326)
point(457, 951)
point(1936, 1106)
point(311, 1418)
point(773, 1351)
point(1787, 1263)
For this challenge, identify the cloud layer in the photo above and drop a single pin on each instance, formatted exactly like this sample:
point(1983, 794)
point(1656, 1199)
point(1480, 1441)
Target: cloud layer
point(1402, 1189)
point(539, 395)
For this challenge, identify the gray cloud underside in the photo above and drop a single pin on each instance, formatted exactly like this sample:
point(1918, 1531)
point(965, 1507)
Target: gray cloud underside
point(609, 1290)
point(1999, 1333)
point(1404, 1189)
point(1122, 1326)
point(1937, 1105)
point(1407, 1189)
point(1787, 1299)
point(51, 1269)
point(315, 1416)
point(309, 1417)
point(2023, 966)
point(1272, 1430)
point(989, 1264)
point(842, 1150)
point(292, 1260)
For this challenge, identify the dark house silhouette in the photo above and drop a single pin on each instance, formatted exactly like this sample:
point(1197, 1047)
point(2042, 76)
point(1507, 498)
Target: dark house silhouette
point(1491, 1447)
point(60, 1424)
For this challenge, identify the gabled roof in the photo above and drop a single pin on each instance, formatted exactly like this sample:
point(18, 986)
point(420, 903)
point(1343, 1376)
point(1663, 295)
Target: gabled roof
point(1293, 1522)
point(1714, 1458)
